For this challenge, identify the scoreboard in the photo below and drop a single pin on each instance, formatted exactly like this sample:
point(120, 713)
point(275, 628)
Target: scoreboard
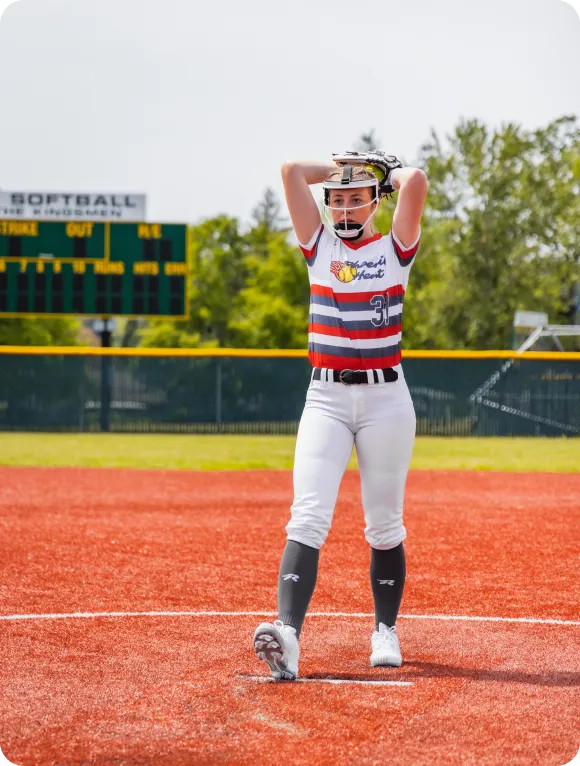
point(92, 268)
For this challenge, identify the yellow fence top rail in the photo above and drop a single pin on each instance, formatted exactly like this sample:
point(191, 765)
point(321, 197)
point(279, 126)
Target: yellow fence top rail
point(556, 356)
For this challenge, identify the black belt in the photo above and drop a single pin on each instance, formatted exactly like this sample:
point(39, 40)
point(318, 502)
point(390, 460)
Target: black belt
point(355, 377)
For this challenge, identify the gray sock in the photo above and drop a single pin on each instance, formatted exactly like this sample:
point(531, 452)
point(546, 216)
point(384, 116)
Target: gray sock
point(298, 571)
point(388, 572)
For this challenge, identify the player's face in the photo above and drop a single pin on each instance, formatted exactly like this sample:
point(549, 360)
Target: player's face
point(354, 201)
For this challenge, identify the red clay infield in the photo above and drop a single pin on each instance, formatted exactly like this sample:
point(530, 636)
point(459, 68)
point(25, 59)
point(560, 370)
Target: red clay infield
point(181, 690)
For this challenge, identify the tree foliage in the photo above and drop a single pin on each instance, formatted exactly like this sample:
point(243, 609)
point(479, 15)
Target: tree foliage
point(30, 331)
point(245, 289)
point(500, 232)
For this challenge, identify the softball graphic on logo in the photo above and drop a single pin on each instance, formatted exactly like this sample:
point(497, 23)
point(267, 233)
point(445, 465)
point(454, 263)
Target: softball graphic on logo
point(346, 272)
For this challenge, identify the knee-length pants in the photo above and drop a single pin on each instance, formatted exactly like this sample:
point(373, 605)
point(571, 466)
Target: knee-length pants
point(379, 420)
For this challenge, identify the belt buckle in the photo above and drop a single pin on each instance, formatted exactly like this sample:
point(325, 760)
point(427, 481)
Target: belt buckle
point(340, 374)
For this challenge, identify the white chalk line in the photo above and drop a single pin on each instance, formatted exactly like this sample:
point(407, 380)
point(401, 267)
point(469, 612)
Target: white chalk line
point(450, 617)
point(334, 681)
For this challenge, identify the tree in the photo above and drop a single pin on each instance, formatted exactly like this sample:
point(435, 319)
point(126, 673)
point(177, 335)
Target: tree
point(33, 331)
point(266, 215)
point(499, 233)
point(503, 220)
point(245, 289)
point(272, 308)
point(367, 142)
point(218, 271)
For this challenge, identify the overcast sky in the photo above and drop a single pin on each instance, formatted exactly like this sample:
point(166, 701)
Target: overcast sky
point(198, 104)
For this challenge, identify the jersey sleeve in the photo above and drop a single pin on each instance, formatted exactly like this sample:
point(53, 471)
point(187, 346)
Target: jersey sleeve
point(310, 249)
point(405, 255)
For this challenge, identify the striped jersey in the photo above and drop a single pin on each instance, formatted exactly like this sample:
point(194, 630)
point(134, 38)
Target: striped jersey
point(356, 300)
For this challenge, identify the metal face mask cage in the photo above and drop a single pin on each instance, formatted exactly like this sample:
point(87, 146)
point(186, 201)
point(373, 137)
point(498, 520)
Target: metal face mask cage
point(344, 229)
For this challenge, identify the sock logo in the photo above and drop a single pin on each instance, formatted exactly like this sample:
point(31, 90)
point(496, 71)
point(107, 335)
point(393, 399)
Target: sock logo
point(293, 577)
point(386, 582)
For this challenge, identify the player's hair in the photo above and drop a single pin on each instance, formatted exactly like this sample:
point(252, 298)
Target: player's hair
point(359, 173)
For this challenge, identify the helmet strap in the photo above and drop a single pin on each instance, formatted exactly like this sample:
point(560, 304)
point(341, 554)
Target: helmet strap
point(346, 174)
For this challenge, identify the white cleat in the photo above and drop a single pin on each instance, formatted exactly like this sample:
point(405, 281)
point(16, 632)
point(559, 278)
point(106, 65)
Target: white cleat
point(276, 644)
point(385, 647)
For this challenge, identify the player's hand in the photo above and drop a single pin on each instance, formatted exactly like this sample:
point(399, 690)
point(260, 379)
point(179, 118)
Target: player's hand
point(380, 163)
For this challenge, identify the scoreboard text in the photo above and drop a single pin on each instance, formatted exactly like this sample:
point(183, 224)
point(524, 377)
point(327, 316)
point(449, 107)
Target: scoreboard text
point(96, 269)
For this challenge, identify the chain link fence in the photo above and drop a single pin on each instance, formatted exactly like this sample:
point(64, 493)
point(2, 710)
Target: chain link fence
point(166, 393)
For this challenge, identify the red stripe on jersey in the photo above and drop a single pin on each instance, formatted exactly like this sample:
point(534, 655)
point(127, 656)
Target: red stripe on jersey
point(310, 253)
point(340, 332)
point(321, 290)
point(355, 297)
point(405, 253)
point(348, 363)
point(362, 297)
point(395, 290)
point(356, 245)
point(344, 297)
point(335, 332)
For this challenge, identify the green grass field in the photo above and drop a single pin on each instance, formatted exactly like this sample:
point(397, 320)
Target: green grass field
point(193, 452)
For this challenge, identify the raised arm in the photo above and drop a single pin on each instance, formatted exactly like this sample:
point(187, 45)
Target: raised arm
point(297, 178)
point(412, 185)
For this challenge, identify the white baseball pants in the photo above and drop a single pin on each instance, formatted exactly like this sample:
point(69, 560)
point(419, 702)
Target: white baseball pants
point(379, 420)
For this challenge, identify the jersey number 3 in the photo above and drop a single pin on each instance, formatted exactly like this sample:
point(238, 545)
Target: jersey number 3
point(381, 304)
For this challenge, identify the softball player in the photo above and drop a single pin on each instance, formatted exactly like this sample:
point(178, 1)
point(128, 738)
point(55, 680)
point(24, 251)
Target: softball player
point(357, 395)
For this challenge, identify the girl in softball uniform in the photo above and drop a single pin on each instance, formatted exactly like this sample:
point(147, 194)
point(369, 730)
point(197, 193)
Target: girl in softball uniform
point(357, 395)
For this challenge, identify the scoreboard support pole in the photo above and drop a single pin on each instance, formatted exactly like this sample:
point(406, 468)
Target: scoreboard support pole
point(218, 395)
point(106, 370)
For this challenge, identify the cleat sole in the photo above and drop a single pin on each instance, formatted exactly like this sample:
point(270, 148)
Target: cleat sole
point(267, 645)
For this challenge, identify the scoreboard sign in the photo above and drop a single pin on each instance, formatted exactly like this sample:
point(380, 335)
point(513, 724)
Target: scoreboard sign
point(73, 206)
point(54, 268)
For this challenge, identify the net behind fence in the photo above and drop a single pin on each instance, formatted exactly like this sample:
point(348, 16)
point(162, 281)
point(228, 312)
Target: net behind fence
point(220, 394)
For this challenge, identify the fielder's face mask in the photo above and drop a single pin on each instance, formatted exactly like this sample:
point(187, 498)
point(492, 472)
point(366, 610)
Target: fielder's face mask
point(347, 229)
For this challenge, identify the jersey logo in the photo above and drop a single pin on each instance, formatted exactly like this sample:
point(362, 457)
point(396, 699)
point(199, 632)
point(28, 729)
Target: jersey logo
point(345, 272)
point(293, 577)
point(386, 582)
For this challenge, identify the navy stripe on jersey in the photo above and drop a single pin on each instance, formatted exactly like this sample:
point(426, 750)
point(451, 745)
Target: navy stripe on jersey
point(328, 321)
point(404, 256)
point(322, 300)
point(360, 324)
point(311, 254)
point(373, 353)
point(319, 348)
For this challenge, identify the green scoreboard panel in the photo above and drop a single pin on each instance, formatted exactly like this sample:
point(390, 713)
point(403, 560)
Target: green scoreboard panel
point(92, 268)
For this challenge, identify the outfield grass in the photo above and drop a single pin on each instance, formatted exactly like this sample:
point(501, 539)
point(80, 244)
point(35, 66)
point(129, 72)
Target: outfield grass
point(193, 452)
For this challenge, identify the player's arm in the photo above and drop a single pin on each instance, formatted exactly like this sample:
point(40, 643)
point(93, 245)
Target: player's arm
point(412, 185)
point(297, 178)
